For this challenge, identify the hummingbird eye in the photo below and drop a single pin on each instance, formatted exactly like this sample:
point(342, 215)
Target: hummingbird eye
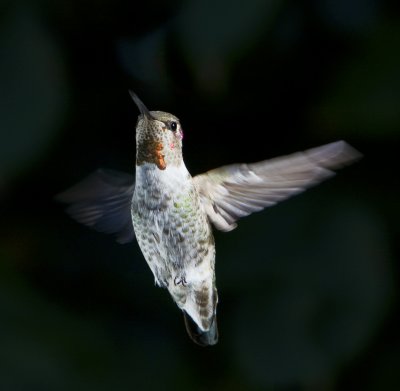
point(173, 126)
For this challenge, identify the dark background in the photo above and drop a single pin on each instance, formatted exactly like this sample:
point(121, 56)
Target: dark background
point(308, 289)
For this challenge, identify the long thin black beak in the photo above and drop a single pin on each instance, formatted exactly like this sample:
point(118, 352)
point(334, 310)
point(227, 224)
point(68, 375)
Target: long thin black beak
point(140, 105)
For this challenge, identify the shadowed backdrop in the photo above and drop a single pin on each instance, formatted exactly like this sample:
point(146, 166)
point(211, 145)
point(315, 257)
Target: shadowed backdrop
point(308, 289)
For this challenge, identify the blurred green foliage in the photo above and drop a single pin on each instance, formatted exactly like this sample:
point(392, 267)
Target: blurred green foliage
point(308, 289)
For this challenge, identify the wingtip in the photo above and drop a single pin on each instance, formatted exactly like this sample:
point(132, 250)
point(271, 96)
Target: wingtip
point(335, 155)
point(132, 94)
point(345, 148)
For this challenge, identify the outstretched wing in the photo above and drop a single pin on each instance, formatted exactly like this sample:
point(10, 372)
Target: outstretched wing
point(231, 192)
point(102, 201)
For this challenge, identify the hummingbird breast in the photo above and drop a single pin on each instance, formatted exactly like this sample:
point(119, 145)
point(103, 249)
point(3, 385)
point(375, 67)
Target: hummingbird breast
point(175, 237)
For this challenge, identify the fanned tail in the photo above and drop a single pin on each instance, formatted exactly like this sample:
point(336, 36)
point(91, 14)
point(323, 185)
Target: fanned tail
point(202, 338)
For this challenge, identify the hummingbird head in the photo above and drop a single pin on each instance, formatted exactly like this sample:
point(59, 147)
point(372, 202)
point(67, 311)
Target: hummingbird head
point(158, 137)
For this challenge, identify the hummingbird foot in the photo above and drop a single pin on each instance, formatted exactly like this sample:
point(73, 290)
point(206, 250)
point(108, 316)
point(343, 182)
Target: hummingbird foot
point(180, 280)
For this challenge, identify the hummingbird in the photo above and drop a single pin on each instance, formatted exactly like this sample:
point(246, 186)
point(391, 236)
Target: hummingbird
point(171, 213)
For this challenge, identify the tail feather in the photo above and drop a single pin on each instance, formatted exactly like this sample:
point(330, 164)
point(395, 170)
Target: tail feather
point(202, 338)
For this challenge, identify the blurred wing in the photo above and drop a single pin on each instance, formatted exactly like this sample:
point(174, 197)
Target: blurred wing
point(102, 201)
point(231, 192)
